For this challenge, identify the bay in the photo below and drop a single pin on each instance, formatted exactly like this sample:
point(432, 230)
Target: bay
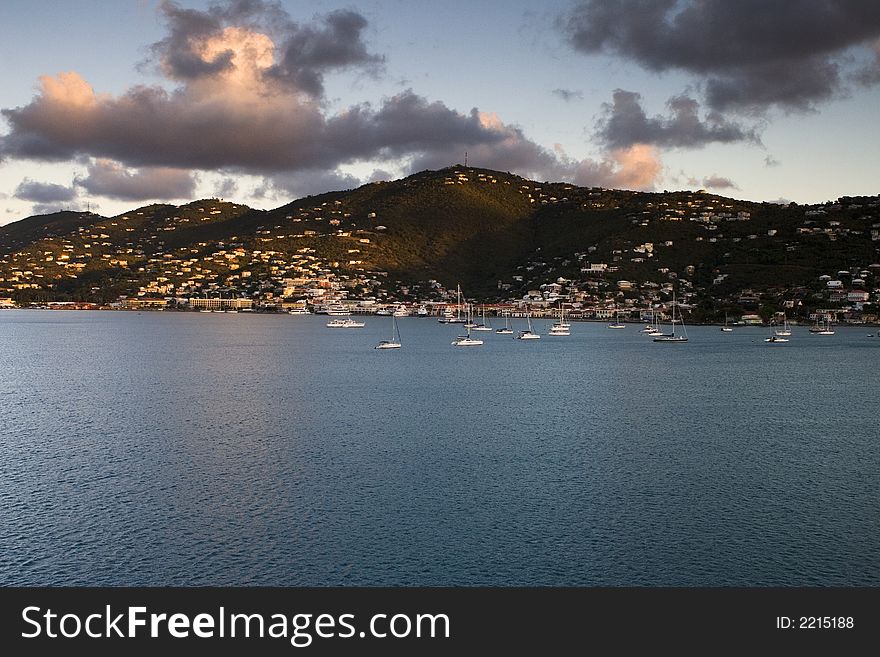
point(221, 449)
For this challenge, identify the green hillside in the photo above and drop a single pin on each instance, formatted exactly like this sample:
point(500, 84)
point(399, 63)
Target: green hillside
point(497, 234)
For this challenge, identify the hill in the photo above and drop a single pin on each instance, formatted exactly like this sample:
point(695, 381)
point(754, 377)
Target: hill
point(497, 234)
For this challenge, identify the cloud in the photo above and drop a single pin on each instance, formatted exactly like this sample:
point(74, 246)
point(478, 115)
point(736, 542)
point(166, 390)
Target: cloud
point(308, 183)
point(635, 167)
point(870, 74)
point(39, 192)
point(625, 123)
point(568, 95)
point(751, 55)
point(198, 45)
point(770, 161)
point(245, 97)
point(226, 188)
point(719, 182)
point(113, 180)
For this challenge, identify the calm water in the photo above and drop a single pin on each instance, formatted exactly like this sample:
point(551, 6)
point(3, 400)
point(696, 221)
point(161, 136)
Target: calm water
point(212, 449)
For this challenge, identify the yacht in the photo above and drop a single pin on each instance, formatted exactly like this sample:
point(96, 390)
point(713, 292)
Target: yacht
point(672, 337)
point(505, 330)
point(726, 328)
point(616, 324)
point(561, 327)
point(822, 327)
point(400, 311)
point(299, 311)
point(448, 317)
point(466, 340)
point(394, 341)
point(528, 334)
point(344, 323)
point(786, 328)
point(484, 326)
point(337, 309)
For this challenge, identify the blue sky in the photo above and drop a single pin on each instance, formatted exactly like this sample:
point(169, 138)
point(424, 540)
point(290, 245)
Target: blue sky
point(117, 104)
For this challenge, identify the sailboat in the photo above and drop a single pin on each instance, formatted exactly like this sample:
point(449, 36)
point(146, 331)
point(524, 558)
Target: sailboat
point(447, 317)
point(484, 326)
point(786, 328)
point(394, 342)
point(672, 337)
point(528, 334)
point(652, 328)
point(822, 326)
point(466, 340)
point(561, 327)
point(505, 330)
point(775, 336)
point(616, 323)
point(726, 328)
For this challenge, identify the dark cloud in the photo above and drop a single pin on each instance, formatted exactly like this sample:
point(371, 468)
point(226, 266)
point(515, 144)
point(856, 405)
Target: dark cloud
point(771, 161)
point(869, 74)
point(568, 95)
point(751, 54)
point(308, 52)
point(112, 180)
point(380, 175)
point(719, 182)
point(226, 188)
point(194, 47)
point(625, 123)
point(308, 183)
point(39, 192)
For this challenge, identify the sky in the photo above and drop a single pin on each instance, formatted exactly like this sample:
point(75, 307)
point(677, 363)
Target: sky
point(109, 105)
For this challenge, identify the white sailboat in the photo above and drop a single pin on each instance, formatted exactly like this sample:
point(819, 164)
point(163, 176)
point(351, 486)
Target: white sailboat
point(561, 327)
point(786, 328)
point(726, 328)
point(528, 334)
point(505, 330)
point(484, 326)
point(822, 326)
point(447, 316)
point(653, 327)
point(394, 342)
point(672, 337)
point(466, 340)
point(616, 323)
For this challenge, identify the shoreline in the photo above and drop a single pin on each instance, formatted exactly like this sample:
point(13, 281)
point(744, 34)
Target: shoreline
point(434, 317)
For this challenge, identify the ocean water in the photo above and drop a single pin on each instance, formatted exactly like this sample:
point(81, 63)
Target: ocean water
point(222, 449)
